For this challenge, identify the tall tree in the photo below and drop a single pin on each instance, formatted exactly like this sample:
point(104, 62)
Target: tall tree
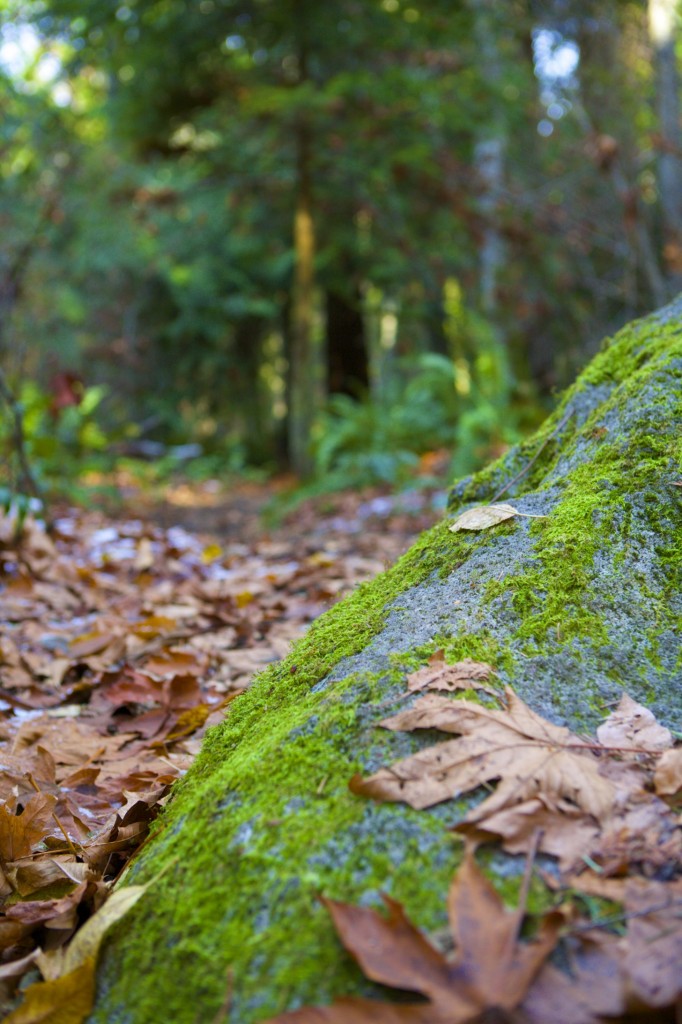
point(663, 32)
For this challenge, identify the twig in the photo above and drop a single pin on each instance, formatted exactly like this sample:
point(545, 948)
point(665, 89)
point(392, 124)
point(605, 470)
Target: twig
point(528, 465)
point(624, 915)
point(226, 1004)
point(525, 884)
point(19, 439)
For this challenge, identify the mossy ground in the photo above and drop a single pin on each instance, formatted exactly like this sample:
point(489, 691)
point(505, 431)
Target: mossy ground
point(264, 821)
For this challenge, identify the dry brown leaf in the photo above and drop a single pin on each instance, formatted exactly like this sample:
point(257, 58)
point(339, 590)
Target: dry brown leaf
point(642, 835)
point(525, 752)
point(564, 831)
point(463, 675)
point(66, 1000)
point(632, 726)
point(594, 989)
point(485, 516)
point(668, 774)
point(654, 940)
point(29, 875)
point(20, 833)
point(490, 973)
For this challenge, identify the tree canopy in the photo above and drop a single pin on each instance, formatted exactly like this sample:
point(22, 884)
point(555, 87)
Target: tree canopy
point(256, 206)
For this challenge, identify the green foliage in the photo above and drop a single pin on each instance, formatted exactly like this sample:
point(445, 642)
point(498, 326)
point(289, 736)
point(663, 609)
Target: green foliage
point(149, 173)
point(422, 410)
point(60, 445)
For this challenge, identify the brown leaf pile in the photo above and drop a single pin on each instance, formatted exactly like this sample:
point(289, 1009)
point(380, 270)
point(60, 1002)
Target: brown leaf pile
point(605, 809)
point(121, 644)
point(601, 801)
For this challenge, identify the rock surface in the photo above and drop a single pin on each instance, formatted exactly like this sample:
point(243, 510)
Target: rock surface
point(571, 610)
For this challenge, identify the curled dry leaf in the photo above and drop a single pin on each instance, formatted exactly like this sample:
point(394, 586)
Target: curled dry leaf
point(565, 831)
point(66, 997)
point(632, 726)
point(463, 675)
point(668, 774)
point(485, 516)
point(490, 973)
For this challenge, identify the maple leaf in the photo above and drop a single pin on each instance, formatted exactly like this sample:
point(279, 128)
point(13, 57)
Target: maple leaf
point(20, 833)
point(527, 754)
point(594, 989)
point(491, 970)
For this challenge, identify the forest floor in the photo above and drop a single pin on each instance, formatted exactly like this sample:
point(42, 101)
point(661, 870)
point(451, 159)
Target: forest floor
point(125, 637)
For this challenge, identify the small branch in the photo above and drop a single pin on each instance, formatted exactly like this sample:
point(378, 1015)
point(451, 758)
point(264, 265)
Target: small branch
point(623, 916)
point(27, 478)
point(525, 884)
point(537, 455)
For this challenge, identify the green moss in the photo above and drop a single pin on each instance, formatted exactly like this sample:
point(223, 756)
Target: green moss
point(480, 646)
point(305, 751)
point(595, 504)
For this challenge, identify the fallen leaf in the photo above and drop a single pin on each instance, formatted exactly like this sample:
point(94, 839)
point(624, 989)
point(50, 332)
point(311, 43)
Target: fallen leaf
point(485, 516)
point(668, 774)
point(85, 945)
point(594, 989)
point(525, 752)
point(463, 675)
point(489, 974)
point(565, 831)
point(654, 940)
point(68, 997)
point(66, 1000)
point(20, 833)
point(632, 726)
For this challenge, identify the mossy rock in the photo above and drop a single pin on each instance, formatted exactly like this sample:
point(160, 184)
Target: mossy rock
point(571, 610)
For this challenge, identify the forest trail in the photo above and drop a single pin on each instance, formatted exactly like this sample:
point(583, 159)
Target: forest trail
point(125, 639)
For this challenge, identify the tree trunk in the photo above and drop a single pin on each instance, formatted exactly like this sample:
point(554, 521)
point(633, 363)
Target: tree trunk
point(305, 356)
point(569, 609)
point(663, 33)
point(489, 151)
point(253, 409)
point(347, 360)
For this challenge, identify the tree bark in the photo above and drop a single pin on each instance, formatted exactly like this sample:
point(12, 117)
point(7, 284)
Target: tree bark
point(570, 610)
point(663, 35)
point(347, 359)
point(305, 356)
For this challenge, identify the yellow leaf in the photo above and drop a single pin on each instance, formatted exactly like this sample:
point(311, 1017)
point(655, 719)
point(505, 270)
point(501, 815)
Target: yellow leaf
point(87, 940)
point(67, 1000)
point(210, 553)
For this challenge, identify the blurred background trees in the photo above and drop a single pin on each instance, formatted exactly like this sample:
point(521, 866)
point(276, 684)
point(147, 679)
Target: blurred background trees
point(325, 236)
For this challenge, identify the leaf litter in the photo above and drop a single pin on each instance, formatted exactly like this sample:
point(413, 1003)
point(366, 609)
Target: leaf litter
point(122, 643)
point(597, 807)
point(491, 969)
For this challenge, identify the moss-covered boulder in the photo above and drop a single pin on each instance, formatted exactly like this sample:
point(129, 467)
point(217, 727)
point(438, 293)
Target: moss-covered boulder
point(570, 609)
